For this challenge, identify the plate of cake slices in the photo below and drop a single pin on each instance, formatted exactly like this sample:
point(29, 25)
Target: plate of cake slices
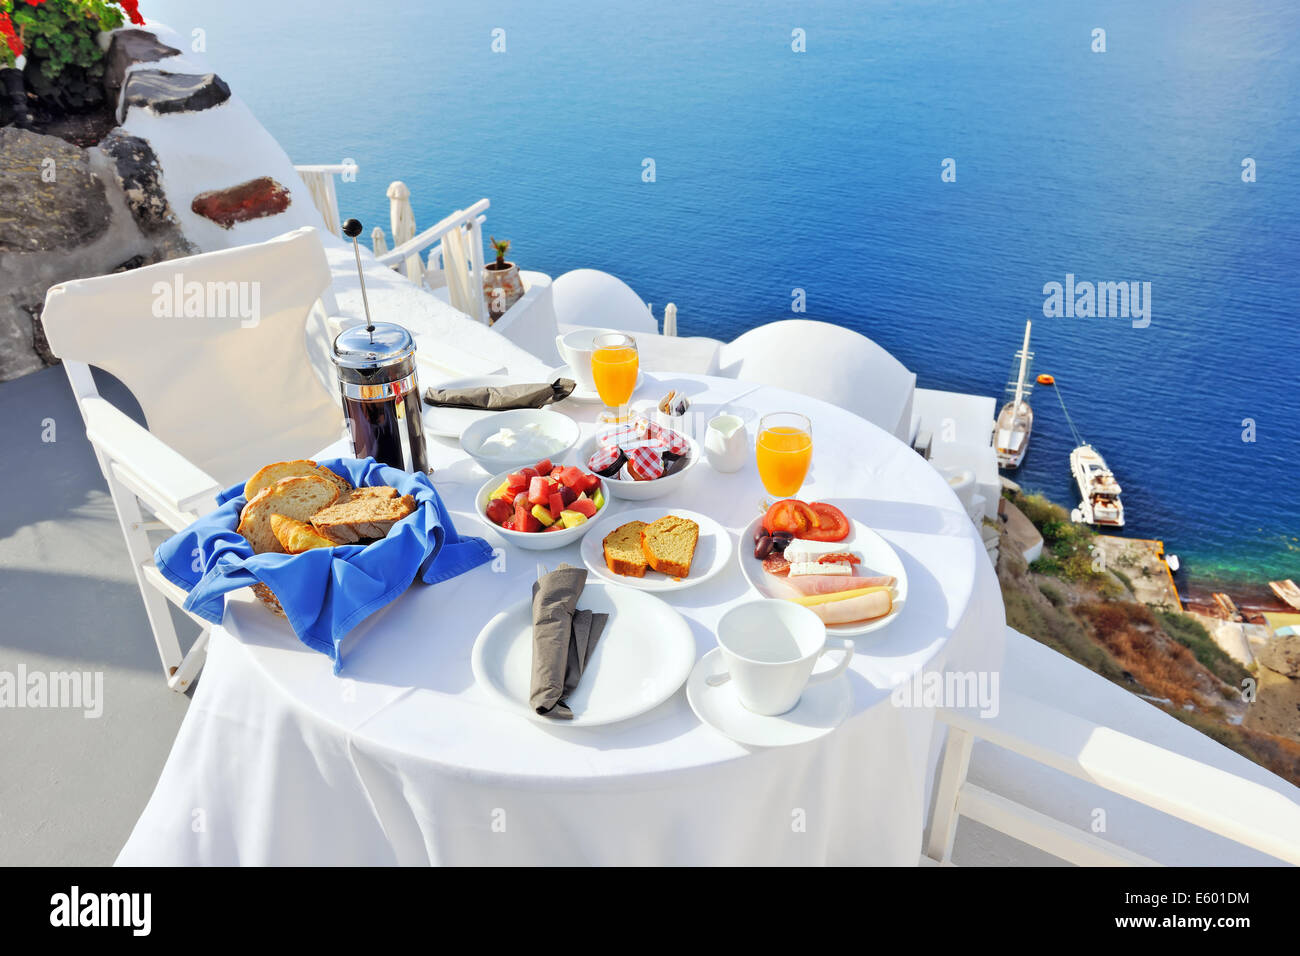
point(852, 579)
point(657, 549)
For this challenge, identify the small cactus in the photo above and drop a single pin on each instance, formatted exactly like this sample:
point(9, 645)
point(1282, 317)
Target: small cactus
point(501, 246)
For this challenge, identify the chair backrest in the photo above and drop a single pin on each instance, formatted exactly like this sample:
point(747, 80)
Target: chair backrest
point(591, 297)
point(213, 347)
point(829, 362)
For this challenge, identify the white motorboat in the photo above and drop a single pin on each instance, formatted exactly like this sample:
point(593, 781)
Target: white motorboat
point(1098, 489)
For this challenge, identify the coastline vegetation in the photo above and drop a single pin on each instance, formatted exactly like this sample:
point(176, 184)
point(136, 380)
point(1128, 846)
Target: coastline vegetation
point(1066, 601)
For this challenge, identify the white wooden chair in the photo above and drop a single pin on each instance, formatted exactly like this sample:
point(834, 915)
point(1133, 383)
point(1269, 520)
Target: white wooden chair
point(592, 298)
point(223, 390)
point(828, 362)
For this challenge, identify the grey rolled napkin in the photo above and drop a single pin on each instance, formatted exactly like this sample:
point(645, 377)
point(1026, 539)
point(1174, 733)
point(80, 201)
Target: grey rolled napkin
point(498, 398)
point(563, 640)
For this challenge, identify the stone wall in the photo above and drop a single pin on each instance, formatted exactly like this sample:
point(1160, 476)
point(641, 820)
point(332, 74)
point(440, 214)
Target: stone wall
point(69, 213)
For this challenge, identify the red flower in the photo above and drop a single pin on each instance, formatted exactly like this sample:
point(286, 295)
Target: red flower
point(11, 38)
point(35, 3)
point(132, 8)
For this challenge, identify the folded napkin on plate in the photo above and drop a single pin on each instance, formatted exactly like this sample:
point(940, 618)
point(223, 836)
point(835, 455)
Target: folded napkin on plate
point(640, 441)
point(563, 640)
point(328, 591)
point(498, 398)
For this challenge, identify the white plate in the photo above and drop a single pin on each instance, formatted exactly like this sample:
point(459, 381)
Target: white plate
point(820, 710)
point(877, 558)
point(585, 396)
point(644, 654)
point(711, 553)
point(450, 422)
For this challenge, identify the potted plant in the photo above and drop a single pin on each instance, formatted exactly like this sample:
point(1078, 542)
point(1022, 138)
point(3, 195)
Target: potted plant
point(502, 286)
point(51, 48)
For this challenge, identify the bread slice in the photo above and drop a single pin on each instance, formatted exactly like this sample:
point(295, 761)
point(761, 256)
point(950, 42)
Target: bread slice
point(297, 536)
point(270, 474)
point(669, 545)
point(368, 491)
point(298, 497)
point(623, 551)
point(361, 517)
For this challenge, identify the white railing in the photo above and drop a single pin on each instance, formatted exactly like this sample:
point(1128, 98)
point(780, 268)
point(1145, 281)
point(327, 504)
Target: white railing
point(320, 184)
point(1205, 796)
point(432, 273)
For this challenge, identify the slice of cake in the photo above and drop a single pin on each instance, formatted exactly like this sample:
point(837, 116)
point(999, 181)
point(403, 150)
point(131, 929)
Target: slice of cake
point(669, 545)
point(623, 551)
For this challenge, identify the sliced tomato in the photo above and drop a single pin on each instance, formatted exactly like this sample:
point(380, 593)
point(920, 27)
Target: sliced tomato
point(839, 557)
point(829, 524)
point(775, 564)
point(790, 515)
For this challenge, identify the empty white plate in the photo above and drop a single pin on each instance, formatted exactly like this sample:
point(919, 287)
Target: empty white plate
point(643, 656)
point(820, 710)
point(712, 552)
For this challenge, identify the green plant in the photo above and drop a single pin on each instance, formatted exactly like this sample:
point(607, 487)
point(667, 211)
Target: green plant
point(61, 33)
point(501, 247)
point(1051, 593)
point(1190, 633)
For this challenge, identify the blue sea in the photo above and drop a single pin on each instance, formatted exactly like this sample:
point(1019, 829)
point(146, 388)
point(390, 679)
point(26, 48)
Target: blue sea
point(820, 170)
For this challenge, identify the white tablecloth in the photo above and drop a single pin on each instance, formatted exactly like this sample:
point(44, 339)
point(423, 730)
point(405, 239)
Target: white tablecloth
point(404, 760)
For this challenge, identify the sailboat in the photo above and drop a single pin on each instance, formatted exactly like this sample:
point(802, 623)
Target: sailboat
point(1016, 420)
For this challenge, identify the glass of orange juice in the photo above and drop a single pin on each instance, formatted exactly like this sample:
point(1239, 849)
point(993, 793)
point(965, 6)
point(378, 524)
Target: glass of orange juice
point(784, 452)
point(614, 368)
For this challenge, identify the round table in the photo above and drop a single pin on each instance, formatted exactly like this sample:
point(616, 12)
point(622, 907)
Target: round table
point(403, 759)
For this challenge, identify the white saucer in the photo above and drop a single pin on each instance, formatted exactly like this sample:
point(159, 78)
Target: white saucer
point(820, 710)
point(583, 395)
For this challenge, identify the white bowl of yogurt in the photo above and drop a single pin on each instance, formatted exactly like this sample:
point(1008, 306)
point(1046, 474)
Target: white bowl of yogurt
point(518, 438)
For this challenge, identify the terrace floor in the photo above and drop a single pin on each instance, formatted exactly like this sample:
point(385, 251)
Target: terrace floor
point(72, 785)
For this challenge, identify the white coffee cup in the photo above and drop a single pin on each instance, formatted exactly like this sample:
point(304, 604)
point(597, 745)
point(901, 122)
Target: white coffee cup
point(770, 648)
point(575, 348)
point(726, 444)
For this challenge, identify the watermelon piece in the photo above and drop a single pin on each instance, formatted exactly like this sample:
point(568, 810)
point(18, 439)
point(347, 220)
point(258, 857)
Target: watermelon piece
point(529, 473)
point(531, 525)
point(516, 482)
point(522, 508)
point(556, 502)
point(588, 484)
point(585, 507)
point(508, 524)
point(539, 490)
point(567, 493)
point(544, 466)
point(556, 472)
point(570, 477)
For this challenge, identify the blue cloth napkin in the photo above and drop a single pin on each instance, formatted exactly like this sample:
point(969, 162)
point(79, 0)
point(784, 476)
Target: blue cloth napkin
point(327, 591)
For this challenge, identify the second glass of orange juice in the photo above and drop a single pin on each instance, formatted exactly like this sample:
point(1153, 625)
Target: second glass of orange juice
point(614, 365)
point(783, 452)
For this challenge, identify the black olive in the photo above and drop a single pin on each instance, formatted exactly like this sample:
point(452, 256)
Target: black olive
point(780, 544)
point(785, 536)
point(764, 547)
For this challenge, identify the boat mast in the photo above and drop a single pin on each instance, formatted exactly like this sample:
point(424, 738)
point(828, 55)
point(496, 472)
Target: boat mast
point(1024, 358)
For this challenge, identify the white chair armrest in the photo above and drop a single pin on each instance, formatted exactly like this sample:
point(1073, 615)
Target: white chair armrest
point(1206, 796)
point(153, 469)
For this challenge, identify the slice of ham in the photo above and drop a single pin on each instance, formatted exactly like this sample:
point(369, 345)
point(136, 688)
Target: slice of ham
point(809, 584)
point(854, 609)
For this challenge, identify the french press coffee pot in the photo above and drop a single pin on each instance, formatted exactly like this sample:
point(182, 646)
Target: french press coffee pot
point(377, 381)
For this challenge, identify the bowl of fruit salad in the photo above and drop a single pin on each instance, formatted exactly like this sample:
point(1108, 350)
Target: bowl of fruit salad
point(543, 506)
